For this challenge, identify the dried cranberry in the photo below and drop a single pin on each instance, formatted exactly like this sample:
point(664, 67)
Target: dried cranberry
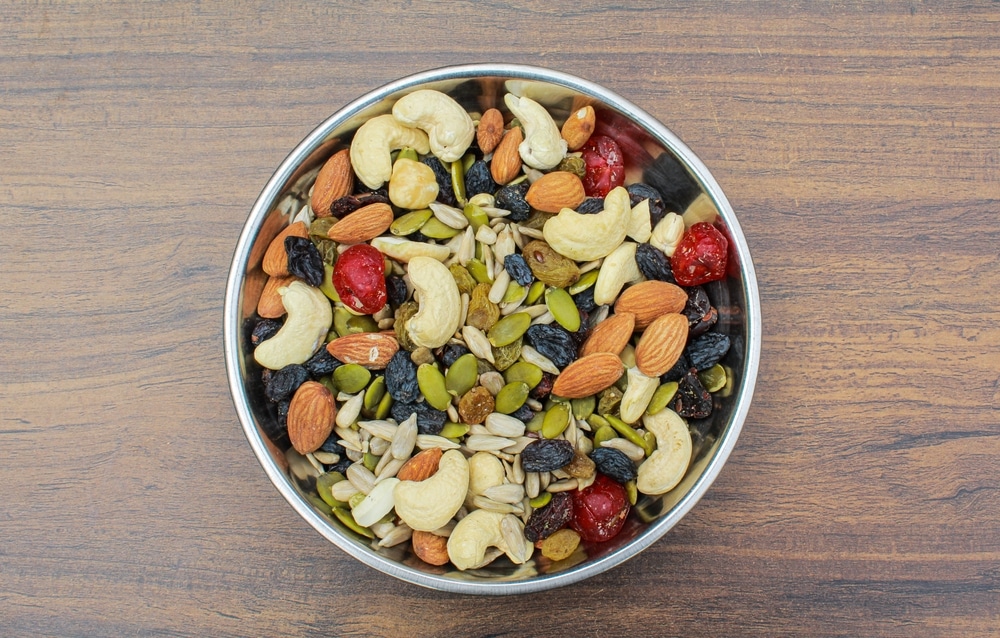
point(701, 256)
point(605, 165)
point(599, 510)
point(359, 278)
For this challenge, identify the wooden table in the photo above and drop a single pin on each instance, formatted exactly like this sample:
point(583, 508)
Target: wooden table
point(858, 142)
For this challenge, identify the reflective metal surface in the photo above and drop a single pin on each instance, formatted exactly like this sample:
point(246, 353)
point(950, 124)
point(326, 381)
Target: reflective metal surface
point(652, 152)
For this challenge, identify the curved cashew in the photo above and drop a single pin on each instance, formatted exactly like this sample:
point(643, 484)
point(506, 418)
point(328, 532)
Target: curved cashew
point(639, 223)
point(309, 319)
point(473, 535)
point(589, 237)
point(668, 233)
point(429, 504)
point(543, 146)
point(439, 303)
point(637, 395)
point(375, 140)
point(619, 268)
point(665, 467)
point(449, 127)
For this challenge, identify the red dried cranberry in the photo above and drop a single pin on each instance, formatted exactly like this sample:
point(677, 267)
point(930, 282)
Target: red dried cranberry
point(359, 278)
point(605, 165)
point(599, 510)
point(701, 256)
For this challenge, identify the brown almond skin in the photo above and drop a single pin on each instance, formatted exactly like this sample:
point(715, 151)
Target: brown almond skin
point(648, 300)
point(430, 548)
point(611, 335)
point(578, 127)
point(270, 305)
point(420, 466)
point(506, 163)
point(362, 225)
point(276, 258)
point(555, 191)
point(311, 416)
point(490, 130)
point(588, 375)
point(334, 180)
point(661, 345)
point(371, 350)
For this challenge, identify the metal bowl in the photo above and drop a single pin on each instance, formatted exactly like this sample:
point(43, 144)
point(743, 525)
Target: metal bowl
point(651, 150)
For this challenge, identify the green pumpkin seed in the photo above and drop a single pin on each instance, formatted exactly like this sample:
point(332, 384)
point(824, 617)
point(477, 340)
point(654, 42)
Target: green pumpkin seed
point(370, 461)
point(556, 420)
point(476, 215)
point(540, 501)
point(650, 440)
point(432, 386)
point(629, 433)
point(408, 153)
point(523, 371)
point(410, 222)
point(714, 378)
point(351, 378)
point(632, 491)
point(583, 408)
point(662, 397)
point(384, 406)
point(327, 286)
point(536, 422)
point(344, 516)
point(454, 430)
point(604, 433)
point(509, 329)
point(467, 161)
point(374, 393)
point(356, 498)
point(319, 503)
point(478, 271)
point(505, 356)
point(328, 383)
point(597, 422)
point(458, 181)
point(534, 293)
point(462, 375)
point(346, 322)
point(511, 397)
point(324, 483)
point(514, 292)
point(585, 281)
point(437, 229)
point(562, 307)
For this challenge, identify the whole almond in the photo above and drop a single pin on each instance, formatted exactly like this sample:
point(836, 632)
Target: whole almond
point(611, 335)
point(588, 375)
point(555, 191)
point(270, 306)
point(490, 130)
point(430, 548)
point(506, 162)
point(363, 224)
point(311, 416)
point(333, 181)
point(648, 300)
point(371, 350)
point(661, 345)
point(578, 127)
point(420, 466)
point(276, 258)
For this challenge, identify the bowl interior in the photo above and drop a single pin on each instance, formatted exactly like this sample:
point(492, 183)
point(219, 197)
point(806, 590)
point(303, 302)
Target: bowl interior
point(653, 155)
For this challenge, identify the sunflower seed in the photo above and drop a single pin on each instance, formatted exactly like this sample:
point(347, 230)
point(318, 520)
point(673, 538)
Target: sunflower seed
point(380, 428)
point(499, 287)
point(531, 355)
point(404, 438)
point(503, 425)
point(507, 493)
point(427, 441)
point(512, 532)
point(378, 446)
point(361, 477)
point(486, 443)
point(531, 232)
point(483, 503)
point(399, 534)
point(343, 491)
point(449, 216)
point(631, 450)
point(486, 235)
point(492, 381)
point(478, 344)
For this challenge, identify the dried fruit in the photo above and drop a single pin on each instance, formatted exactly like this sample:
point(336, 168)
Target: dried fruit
point(581, 466)
point(605, 165)
point(599, 510)
point(401, 378)
point(350, 203)
point(511, 197)
point(475, 405)
point(518, 269)
point(396, 291)
point(264, 330)
point(483, 313)
point(555, 343)
point(545, 455)
point(707, 350)
point(653, 264)
point(548, 519)
point(451, 353)
point(429, 420)
point(281, 384)
point(442, 174)
point(506, 356)
point(614, 464)
point(639, 191)
point(692, 399)
point(403, 315)
point(479, 180)
point(550, 267)
point(701, 256)
point(275, 262)
point(560, 545)
point(304, 260)
point(359, 278)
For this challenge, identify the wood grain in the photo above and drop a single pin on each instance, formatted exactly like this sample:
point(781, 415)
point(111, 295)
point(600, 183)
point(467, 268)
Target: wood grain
point(859, 143)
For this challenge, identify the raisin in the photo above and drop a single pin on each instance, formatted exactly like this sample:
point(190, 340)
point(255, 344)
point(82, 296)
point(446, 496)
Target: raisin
point(321, 364)
point(479, 180)
point(401, 378)
point(545, 455)
point(518, 270)
point(442, 173)
point(590, 206)
point(584, 300)
point(264, 330)
point(511, 197)
point(553, 342)
point(653, 263)
point(548, 266)
point(396, 290)
point(350, 203)
point(429, 420)
point(672, 181)
point(546, 521)
point(692, 400)
point(283, 383)
point(331, 446)
point(544, 387)
point(614, 464)
point(639, 191)
point(707, 350)
point(677, 371)
point(451, 352)
point(698, 304)
point(523, 414)
point(304, 260)
point(704, 325)
point(277, 429)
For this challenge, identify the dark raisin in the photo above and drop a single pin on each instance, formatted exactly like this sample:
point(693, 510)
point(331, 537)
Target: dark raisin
point(554, 343)
point(442, 173)
point(429, 420)
point(590, 206)
point(321, 364)
point(584, 300)
point(304, 260)
point(283, 383)
point(545, 455)
point(511, 197)
point(677, 371)
point(653, 263)
point(698, 304)
point(692, 400)
point(523, 413)
point(544, 387)
point(614, 464)
point(707, 350)
point(546, 521)
point(639, 191)
point(331, 445)
point(396, 290)
point(451, 352)
point(276, 428)
point(350, 203)
point(401, 378)
point(704, 325)
point(264, 330)
point(518, 269)
point(479, 180)
point(669, 177)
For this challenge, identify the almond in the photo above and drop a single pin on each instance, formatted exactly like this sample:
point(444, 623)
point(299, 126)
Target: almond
point(555, 191)
point(588, 375)
point(611, 335)
point(334, 180)
point(648, 300)
point(311, 415)
point(421, 465)
point(276, 258)
point(506, 162)
point(578, 128)
point(661, 345)
point(430, 548)
point(490, 130)
point(270, 306)
point(363, 224)
point(369, 349)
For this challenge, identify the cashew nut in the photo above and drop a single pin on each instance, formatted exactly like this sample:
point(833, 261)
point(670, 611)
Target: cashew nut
point(429, 504)
point(485, 471)
point(618, 269)
point(413, 185)
point(439, 303)
point(473, 535)
point(666, 466)
point(404, 250)
point(668, 233)
point(589, 237)
point(309, 319)
point(637, 395)
point(639, 224)
point(449, 127)
point(373, 144)
point(543, 146)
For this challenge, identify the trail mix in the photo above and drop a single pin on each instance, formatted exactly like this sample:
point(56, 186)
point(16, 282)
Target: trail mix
point(483, 340)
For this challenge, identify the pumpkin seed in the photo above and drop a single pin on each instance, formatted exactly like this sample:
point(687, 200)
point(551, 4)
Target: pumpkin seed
point(324, 487)
point(556, 420)
point(514, 292)
point(583, 408)
point(511, 397)
point(351, 378)
point(563, 309)
point(410, 222)
point(407, 153)
point(432, 386)
point(479, 271)
point(540, 501)
point(462, 375)
point(370, 461)
point(476, 215)
point(536, 422)
point(714, 378)
point(632, 492)
point(458, 180)
point(344, 516)
point(454, 430)
point(509, 329)
point(662, 397)
point(374, 393)
point(437, 229)
point(585, 281)
point(327, 286)
point(534, 293)
point(523, 371)
point(629, 433)
point(346, 322)
point(384, 406)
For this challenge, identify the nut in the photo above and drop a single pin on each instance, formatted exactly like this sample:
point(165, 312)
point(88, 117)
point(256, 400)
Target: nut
point(555, 191)
point(412, 184)
point(661, 344)
point(543, 146)
point(276, 258)
point(490, 130)
point(639, 221)
point(588, 375)
point(362, 225)
point(668, 233)
point(309, 319)
point(421, 465)
point(666, 466)
point(440, 307)
point(619, 268)
point(485, 471)
point(449, 128)
point(269, 305)
point(637, 395)
point(429, 504)
point(333, 181)
point(578, 127)
point(472, 536)
point(430, 548)
point(648, 300)
point(589, 237)
point(310, 417)
point(373, 144)
point(371, 350)
point(610, 335)
point(506, 162)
